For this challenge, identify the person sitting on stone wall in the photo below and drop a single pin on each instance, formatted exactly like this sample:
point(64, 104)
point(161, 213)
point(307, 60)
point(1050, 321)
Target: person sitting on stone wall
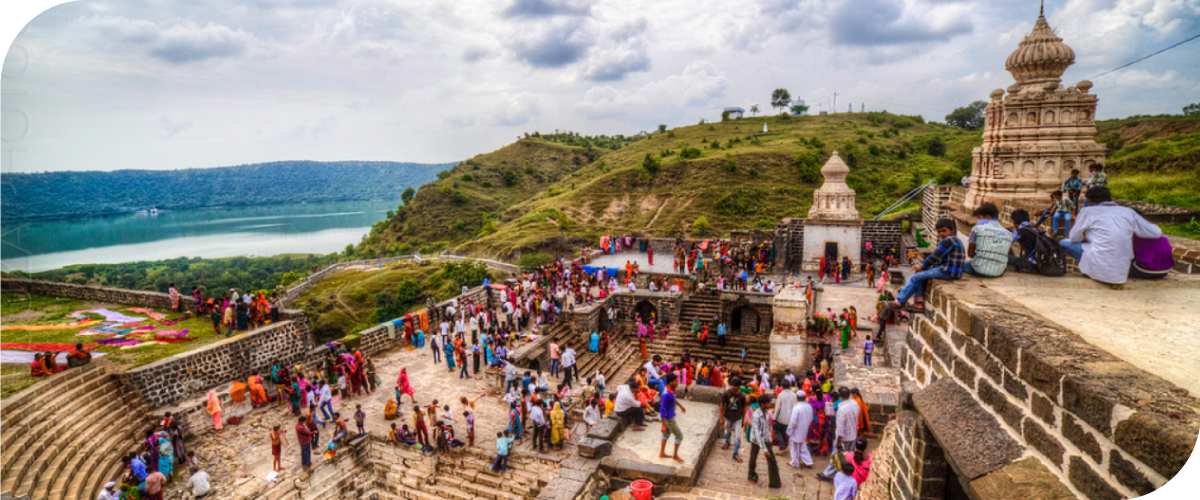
point(988, 243)
point(945, 263)
point(1102, 239)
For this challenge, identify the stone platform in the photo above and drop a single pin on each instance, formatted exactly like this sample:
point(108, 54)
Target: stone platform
point(635, 454)
point(662, 262)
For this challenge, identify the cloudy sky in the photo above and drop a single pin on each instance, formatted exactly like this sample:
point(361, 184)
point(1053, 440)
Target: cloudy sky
point(157, 84)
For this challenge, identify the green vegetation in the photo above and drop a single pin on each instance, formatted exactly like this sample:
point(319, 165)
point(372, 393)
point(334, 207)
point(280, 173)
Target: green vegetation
point(213, 276)
point(354, 299)
point(59, 195)
point(19, 309)
point(1153, 159)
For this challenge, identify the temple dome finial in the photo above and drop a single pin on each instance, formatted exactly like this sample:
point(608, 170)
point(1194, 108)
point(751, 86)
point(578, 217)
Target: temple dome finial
point(1041, 57)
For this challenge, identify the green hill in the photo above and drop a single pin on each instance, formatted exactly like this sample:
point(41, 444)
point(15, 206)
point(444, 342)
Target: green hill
point(59, 195)
point(730, 173)
point(558, 196)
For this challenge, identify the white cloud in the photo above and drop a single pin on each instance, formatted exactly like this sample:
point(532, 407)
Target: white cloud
point(699, 84)
point(515, 109)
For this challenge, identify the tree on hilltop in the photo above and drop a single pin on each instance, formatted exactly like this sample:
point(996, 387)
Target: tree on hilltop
point(780, 98)
point(754, 110)
point(407, 196)
point(970, 117)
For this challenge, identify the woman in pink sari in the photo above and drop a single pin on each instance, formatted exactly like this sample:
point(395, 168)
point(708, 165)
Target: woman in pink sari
point(214, 409)
point(405, 387)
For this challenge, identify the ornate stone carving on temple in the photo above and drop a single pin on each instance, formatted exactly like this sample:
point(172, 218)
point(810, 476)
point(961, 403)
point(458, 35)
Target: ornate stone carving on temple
point(1036, 131)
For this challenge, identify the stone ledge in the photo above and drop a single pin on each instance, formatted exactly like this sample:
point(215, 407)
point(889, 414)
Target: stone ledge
point(974, 443)
point(1093, 383)
point(1026, 479)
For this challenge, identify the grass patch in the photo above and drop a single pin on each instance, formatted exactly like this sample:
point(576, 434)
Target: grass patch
point(1180, 189)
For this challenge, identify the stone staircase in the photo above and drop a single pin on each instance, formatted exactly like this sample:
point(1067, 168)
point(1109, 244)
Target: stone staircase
point(622, 347)
point(704, 305)
point(401, 472)
point(757, 348)
point(64, 437)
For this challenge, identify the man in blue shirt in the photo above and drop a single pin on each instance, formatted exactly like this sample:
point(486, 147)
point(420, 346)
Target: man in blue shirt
point(504, 441)
point(945, 263)
point(667, 413)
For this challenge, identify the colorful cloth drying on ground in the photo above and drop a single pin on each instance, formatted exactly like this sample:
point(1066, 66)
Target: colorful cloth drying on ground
point(170, 322)
point(170, 333)
point(109, 328)
point(110, 316)
point(147, 312)
point(41, 347)
point(26, 357)
point(119, 341)
point(173, 340)
point(34, 328)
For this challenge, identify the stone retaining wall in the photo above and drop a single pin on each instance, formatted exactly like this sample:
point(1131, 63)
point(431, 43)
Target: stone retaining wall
point(172, 379)
point(884, 234)
point(1096, 423)
point(95, 293)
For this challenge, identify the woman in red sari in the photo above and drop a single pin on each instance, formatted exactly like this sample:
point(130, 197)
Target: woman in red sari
point(37, 368)
point(405, 387)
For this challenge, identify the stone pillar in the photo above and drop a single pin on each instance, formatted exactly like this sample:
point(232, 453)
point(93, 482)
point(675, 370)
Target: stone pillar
point(789, 346)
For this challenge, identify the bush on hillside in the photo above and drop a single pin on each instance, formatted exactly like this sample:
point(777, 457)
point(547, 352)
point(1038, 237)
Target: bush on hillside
point(936, 147)
point(532, 260)
point(737, 202)
point(689, 153)
point(468, 273)
point(700, 226)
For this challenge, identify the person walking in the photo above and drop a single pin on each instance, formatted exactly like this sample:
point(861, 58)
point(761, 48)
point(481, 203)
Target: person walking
point(304, 438)
point(568, 365)
point(797, 432)
point(760, 439)
point(667, 413)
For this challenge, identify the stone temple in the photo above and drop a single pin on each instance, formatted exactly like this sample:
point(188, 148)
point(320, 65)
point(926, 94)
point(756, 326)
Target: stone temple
point(833, 227)
point(1038, 131)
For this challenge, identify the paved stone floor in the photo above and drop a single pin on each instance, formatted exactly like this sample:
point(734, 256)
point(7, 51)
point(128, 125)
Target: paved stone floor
point(1154, 325)
point(662, 263)
point(239, 457)
point(695, 425)
point(724, 478)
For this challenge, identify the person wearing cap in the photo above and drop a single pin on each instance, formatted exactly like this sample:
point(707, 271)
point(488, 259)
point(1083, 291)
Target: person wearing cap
point(109, 492)
point(198, 483)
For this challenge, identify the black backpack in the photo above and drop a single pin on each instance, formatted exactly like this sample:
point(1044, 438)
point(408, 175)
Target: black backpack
point(1049, 258)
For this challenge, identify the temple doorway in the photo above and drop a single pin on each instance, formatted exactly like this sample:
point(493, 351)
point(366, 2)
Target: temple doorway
point(745, 319)
point(645, 310)
point(831, 251)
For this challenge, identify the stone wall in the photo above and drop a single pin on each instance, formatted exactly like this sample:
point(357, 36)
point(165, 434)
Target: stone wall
point(933, 202)
point(1097, 424)
point(172, 379)
point(884, 234)
point(94, 293)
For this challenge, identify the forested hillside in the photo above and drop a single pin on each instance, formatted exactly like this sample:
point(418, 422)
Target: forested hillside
point(57, 195)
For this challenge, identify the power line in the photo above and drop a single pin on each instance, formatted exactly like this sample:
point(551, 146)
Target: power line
point(1128, 64)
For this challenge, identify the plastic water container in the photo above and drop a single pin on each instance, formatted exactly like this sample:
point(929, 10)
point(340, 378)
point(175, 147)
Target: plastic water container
point(641, 489)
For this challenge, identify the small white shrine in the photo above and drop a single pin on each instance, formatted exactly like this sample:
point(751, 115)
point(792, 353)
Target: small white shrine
point(833, 227)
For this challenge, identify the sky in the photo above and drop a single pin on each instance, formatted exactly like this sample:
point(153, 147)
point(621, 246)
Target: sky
point(165, 84)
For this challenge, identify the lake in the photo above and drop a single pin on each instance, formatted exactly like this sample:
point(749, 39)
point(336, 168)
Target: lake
point(318, 228)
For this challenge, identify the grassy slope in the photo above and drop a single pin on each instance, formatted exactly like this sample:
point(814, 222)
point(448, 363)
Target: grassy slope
point(1154, 159)
point(343, 303)
point(613, 197)
point(428, 222)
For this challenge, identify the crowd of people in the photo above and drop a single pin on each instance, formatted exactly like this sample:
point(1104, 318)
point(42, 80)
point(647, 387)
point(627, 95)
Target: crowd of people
point(1111, 243)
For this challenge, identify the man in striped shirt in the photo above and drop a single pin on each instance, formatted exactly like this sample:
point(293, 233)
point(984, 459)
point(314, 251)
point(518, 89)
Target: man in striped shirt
point(945, 263)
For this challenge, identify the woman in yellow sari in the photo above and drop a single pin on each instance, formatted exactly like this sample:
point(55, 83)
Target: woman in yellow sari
point(558, 421)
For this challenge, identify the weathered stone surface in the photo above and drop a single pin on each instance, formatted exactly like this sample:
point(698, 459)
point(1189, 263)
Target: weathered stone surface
point(973, 441)
point(1154, 439)
point(1081, 438)
point(633, 469)
point(965, 373)
point(978, 355)
point(1044, 409)
point(1088, 482)
point(942, 349)
point(991, 396)
point(1083, 398)
point(607, 429)
point(1015, 386)
point(1042, 441)
point(1039, 373)
point(561, 489)
point(1128, 474)
point(595, 448)
point(1004, 346)
point(1024, 479)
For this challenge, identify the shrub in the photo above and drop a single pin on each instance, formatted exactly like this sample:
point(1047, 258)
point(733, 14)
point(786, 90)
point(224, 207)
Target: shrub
point(810, 167)
point(731, 163)
point(650, 165)
point(936, 147)
point(689, 153)
point(700, 226)
point(553, 191)
point(735, 203)
point(532, 260)
point(443, 175)
point(509, 177)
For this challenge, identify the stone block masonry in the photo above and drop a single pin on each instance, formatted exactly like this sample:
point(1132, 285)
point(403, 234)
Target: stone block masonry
point(95, 293)
point(1099, 425)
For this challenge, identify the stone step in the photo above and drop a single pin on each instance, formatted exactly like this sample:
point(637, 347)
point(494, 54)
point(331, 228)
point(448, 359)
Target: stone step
point(11, 407)
point(40, 410)
point(73, 441)
point(79, 464)
point(87, 486)
point(21, 470)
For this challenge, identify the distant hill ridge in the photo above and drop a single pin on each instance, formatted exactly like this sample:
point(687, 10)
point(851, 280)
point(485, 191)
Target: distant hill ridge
point(60, 195)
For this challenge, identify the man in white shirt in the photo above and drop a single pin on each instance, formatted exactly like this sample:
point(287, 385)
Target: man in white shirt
point(568, 366)
point(783, 413)
point(797, 431)
point(444, 327)
point(653, 375)
point(1108, 229)
point(326, 400)
point(109, 492)
point(198, 483)
point(539, 427)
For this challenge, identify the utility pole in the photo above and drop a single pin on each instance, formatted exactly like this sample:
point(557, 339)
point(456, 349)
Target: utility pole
point(835, 102)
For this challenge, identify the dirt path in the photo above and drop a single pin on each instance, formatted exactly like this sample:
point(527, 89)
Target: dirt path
point(656, 212)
